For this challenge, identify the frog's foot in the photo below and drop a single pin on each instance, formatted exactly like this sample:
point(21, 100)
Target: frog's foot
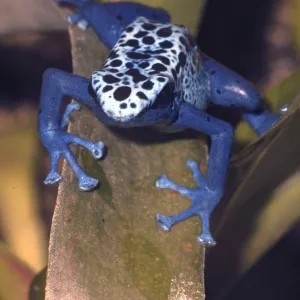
point(268, 119)
point(204, 200)
point(76, 19)
point(57, 143)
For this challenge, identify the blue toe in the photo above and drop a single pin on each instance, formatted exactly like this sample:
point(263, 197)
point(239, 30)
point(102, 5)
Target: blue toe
point(73, 19)
point(98, 150)
point(164, 222)
point(83, 24)
point(206, 240)
point(53, 177)
point(87, 183)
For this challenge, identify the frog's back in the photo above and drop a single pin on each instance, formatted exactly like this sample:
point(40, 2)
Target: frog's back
point(146, 55)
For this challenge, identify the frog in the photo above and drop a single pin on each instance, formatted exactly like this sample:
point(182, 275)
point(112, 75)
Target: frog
point(155, 76)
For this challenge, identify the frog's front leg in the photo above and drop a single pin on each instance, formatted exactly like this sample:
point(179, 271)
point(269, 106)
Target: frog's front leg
point(210, 188)
point(109, 20)
point(56, 85)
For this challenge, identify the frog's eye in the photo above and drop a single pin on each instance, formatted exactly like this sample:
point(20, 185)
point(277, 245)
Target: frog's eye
point(164, 97)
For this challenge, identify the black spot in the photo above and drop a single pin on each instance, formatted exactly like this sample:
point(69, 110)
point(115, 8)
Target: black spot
point(141, 95)
point(110, 79)
point(113, 54)
point(123, 106)
point(140, 34)
point(156, 51)
point(213, 72)
point(177, 68)
point(182, 58)
point(153, 72)
point(129, 65)
point(129, 29)
point(122, 36)
point(95, 81)
point(144, 65)
point(119, 17)
point(160, 79)
point(112, 70)
point(183, 42)
point(120, 74)
point(163, 59)
point(107, 88)
point(136, 75)
point(116, 63)
point(122, 93)
point(125, 82)
point(166, 44)
point(164, 32)
point(159, 67)
point(148, 40)
point(174, 74)
point(148, 85)
point(208, 119)
point(136, 55)
point(173, 51)
point(148, 26)
point(132, 43)
point(218, 91)
point(132, 105)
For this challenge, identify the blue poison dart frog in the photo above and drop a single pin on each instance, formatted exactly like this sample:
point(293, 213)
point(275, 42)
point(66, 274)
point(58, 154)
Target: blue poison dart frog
point(154, 76)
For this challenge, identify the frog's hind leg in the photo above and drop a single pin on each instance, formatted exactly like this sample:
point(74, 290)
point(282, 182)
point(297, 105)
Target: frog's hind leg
point(232, 90)
point(109, 20)
point(56, 85)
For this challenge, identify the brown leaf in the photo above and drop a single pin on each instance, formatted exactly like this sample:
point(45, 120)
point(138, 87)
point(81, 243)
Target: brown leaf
point(105, 244)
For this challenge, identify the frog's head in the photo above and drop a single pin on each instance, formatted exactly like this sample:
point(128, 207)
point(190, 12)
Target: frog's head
point(139, 80)
point(151, 99)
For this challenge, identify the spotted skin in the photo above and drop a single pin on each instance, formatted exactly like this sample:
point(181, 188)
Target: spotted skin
point(154, 76)
point(147, 57)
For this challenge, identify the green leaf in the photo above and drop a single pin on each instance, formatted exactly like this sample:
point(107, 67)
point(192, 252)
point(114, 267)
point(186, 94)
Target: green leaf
point(261, 202)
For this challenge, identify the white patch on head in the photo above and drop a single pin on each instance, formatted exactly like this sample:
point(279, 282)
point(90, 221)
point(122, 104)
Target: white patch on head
point(147, 56)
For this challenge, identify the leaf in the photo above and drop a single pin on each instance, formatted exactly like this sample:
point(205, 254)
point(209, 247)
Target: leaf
point(261, 202)
point(105, 244)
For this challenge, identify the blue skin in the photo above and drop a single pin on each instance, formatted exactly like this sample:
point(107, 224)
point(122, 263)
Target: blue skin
point(227, 89)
